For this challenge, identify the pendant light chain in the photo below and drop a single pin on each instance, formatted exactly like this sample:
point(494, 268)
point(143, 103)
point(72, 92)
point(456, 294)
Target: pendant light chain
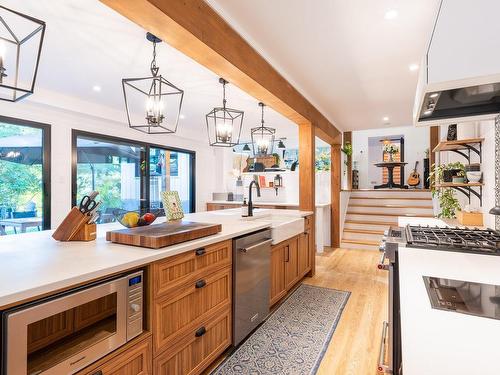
point(224, 101)
point(154, 68)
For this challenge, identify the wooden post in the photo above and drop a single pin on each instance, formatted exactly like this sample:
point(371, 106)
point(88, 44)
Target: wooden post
point(433, 142)
point(347, 138)
point(307, 175)
point(335, 191)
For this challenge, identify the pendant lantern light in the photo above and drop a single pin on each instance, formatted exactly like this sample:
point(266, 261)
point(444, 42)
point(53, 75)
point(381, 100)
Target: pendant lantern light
point(223, 123)
point(246, 148)
point(262, 137)
point(153, 104)
point(21, 39)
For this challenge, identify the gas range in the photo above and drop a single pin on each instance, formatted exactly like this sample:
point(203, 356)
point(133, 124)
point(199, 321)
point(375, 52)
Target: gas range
point(478, 241)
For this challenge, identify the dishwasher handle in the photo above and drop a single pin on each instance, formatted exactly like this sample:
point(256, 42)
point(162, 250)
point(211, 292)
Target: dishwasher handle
point(258, 244)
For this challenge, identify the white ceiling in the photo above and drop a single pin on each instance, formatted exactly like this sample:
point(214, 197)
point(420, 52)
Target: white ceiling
point(88, 44)
point(348, 59)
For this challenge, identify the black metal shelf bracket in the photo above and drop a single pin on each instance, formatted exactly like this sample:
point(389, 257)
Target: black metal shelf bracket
point(469, 147)
point(468, 191)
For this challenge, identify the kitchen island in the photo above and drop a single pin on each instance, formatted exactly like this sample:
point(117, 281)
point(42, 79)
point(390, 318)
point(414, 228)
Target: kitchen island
point(436, 341)
point(99, 307)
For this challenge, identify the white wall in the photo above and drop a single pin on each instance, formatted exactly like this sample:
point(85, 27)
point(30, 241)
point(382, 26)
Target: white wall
point(416, 142)
point(62, 121)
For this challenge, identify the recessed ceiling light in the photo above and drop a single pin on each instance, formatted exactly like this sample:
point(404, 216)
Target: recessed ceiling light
point(96, 88)
point(391, 14)
point(182, 117)
point(385, 119)
point(413, 67)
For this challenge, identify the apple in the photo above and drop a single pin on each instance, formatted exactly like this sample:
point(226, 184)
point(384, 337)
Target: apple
point(148, 217)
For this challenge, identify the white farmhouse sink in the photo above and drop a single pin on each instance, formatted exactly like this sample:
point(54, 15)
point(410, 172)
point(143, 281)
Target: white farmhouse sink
point(283, 227)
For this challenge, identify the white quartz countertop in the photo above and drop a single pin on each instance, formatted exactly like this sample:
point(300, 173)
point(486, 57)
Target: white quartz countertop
point(442, 342)
point(33, 264)
point(269, 203)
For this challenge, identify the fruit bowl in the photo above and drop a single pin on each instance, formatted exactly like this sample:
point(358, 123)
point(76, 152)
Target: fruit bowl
point(137, 218)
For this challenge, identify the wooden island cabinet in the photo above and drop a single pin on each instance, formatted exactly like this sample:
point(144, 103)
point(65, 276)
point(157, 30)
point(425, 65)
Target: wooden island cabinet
point(188, 308)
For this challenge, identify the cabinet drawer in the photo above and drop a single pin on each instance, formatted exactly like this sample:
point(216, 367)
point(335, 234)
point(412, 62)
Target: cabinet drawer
point(176, 313)
point(136, 360)
point(172, 272)
point(196, 350)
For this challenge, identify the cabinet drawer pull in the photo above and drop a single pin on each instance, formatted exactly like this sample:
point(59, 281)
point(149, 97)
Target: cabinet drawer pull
point(200, 284)
point(200, 251)
point(200, 332)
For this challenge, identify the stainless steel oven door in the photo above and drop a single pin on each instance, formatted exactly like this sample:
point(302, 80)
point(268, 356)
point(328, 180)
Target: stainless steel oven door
point(63, 335)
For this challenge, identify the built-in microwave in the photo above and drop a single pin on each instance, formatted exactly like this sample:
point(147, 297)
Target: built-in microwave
point(66, 332)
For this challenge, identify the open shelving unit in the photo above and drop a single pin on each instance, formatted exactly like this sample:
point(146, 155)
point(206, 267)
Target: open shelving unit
point(464, 147)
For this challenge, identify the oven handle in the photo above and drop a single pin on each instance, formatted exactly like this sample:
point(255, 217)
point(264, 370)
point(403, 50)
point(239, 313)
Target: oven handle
point(381, 263)
point(382, 367)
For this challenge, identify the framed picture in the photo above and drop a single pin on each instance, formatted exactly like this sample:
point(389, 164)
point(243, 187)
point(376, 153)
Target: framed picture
point(172, 205)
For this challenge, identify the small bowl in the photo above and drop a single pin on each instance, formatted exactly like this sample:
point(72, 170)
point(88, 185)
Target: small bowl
point(474, 176)
point(137, 218)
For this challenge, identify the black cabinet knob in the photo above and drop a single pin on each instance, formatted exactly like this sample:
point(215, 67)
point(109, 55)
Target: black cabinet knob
point(200, 332)
point(200, 251)
point(200, 284)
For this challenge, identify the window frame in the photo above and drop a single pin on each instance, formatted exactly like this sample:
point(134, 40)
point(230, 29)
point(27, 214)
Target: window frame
point(46, 163)
point(75, 133)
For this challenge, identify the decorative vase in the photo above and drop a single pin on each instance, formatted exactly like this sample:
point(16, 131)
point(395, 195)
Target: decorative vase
point(391, 157)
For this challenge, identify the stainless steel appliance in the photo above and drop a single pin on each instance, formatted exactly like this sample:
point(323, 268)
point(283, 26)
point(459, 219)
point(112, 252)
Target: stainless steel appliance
point(464, 297)
point(251, 282)
point(64, 333)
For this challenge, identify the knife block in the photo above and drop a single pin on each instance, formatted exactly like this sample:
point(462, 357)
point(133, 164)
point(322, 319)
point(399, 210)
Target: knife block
point(74, 227)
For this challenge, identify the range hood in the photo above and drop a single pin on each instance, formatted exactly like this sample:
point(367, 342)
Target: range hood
point(459, 78)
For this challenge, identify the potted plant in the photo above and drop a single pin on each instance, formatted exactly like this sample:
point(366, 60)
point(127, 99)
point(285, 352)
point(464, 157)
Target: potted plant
point(391, 149)
point(347, 150)
point(448, 202)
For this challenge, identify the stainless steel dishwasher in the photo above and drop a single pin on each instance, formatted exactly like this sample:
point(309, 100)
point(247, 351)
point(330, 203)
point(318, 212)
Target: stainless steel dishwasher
point(251, 282)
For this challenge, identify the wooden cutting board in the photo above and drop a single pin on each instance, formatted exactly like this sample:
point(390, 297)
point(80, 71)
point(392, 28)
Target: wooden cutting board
point(160, 235)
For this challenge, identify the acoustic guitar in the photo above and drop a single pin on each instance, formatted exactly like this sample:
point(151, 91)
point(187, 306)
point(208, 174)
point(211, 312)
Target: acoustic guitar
point(414, 178)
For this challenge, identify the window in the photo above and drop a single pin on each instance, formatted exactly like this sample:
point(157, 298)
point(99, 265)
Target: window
point(24, 176)
point(117, 168)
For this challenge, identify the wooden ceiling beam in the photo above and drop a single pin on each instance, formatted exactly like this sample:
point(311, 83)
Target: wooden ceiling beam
point(195, 29)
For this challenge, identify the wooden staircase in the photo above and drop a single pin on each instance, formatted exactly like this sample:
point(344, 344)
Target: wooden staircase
point(371, 212)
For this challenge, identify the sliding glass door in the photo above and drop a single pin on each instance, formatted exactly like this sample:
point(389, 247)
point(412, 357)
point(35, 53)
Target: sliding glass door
point(170, 171)
point(129, 175)
point(24, 176)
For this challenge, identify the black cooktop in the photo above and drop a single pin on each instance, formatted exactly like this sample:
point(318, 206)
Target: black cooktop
point(464, 296)
point(479, 241)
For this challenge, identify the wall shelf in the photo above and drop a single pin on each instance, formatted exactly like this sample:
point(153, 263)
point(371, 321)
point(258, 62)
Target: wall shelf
point(466, 189)
point(462, 147)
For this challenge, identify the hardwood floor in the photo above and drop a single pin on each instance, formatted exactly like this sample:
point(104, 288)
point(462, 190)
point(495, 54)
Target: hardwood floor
point(354, 347)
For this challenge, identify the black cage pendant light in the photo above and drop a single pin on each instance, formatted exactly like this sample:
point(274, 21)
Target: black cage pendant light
point(223, 123)
point(21, 39)
point(262, 137)
point(153, 104)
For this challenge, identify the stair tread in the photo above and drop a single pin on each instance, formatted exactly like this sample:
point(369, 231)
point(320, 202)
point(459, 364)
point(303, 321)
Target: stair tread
point(389, 214)
point(367, 222)
point(363, 231)
point(361, 242)
point(390, 206)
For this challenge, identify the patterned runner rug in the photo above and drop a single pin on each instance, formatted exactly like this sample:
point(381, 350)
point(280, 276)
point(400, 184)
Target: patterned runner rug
point(293, 340)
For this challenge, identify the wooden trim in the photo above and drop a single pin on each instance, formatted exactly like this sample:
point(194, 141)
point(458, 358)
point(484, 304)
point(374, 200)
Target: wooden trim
point(388, 214)
point(390, 206)
point(335, 195)
point(362, 242)
point(433, 141)
point(199, 32)
point(347, 138)
point(395, 198)
point(364, 231)
point(367, 222)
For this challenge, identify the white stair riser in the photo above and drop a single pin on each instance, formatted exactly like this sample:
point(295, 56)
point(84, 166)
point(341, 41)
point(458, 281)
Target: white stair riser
point(391, 210)
point(401, 202)
point(362, 236)
point(361, 217)
point(391, 194)
point(346, 245)
point(366, 226)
